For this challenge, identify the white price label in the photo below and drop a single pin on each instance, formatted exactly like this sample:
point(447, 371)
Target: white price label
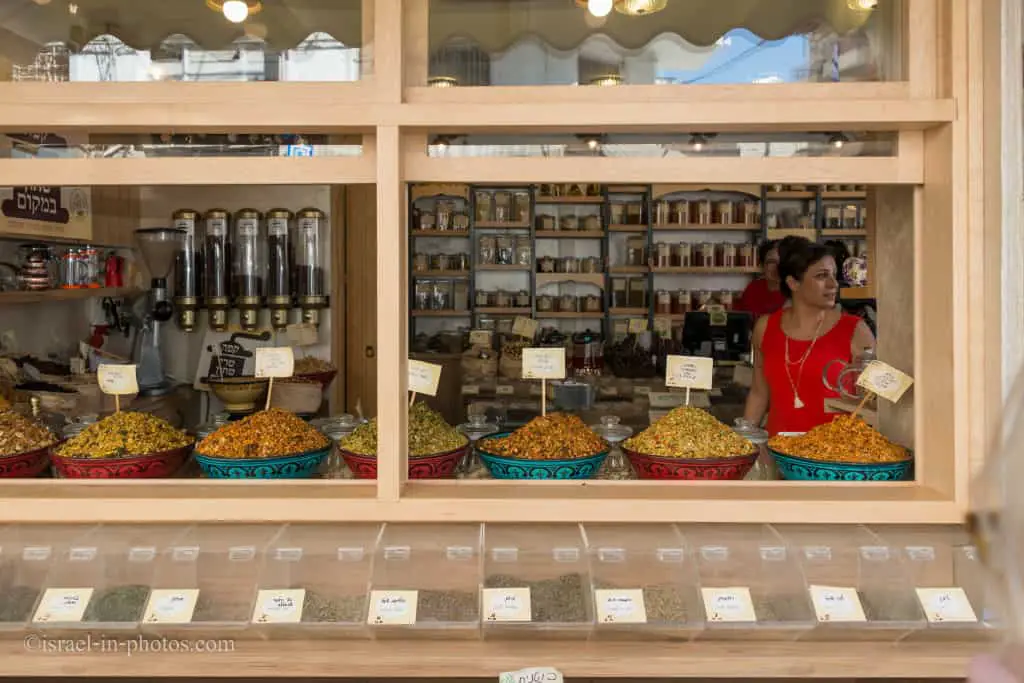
point(837, 604)
point(171, 606)
point(216, 227)
point(424, 377)
point(620, 606)
point(540, 674)
point(504, 390)
point(277, 227)
point(279, 606)
point(728, 604)
point(392, 607)
point(506, 604)
point(524, 327)
point(62, 605)
point(247, 227)
point(637, 325)
point(480, 338)
point(544, 363)
point(117, 380)
point(693, 372)
point(944, 605)
point(663, 327)
point(302, 334)
point(884, 380)
point(275, 361)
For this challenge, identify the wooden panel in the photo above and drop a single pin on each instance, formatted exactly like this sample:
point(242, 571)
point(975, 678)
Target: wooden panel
point(360, 300)
point(659, 191)
point(416, 39)
point(922, 17)
point(339, 295)
point(421, 190)
point(116, 215)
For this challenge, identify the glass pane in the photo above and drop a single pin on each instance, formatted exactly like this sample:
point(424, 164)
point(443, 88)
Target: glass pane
point(185, 40)
point(156, 145)
point(557, 42)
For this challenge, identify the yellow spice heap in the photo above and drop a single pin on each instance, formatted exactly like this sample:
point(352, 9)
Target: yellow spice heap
point(844, 439)
point(556, 436)
point(267, 434)
point(123, 435)
point(689, 433)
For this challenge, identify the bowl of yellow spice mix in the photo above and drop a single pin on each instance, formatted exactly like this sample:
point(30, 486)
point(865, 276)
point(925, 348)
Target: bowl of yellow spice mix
point(690, 444)
point(845, 449)
point(24, 446)
point(553, 446)
point(125, 445)
point(270, 444)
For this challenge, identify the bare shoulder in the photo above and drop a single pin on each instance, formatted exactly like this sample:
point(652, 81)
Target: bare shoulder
point(759, 327)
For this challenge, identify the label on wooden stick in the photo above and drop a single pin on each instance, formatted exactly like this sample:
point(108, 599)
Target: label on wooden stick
point(275, 361)
point(424, 377)
point(117, 380)
point(544, 363)
point(884, 380)
point(524, 327)
point(691, 372)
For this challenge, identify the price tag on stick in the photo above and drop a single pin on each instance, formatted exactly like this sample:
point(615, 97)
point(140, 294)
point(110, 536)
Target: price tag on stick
point(689, 372)
point(882, 380)
point(424, 378)
point(170, 606)
point(117, 381)
point(832, 604)
point(274, 361)
point(544, 364)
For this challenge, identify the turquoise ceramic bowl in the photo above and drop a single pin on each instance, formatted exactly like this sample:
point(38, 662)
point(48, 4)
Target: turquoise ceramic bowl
point(804, 469)
point(502, 467)
point(298, 466)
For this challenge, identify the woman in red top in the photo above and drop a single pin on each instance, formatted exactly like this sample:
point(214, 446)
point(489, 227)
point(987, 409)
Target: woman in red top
point(793, 345)
point(764, 295)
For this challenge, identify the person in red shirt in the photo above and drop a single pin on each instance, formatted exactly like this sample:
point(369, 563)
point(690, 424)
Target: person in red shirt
point(764, 295)
point(794, 345)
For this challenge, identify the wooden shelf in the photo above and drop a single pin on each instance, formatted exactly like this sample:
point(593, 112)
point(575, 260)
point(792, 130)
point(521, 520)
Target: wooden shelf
point(806, 194)
point(569, 200)
point(498, 225)
point(454, 234)
point(596, 279)
point(628, 312)
point(713, 227)
point(849, 293)
point(440, 273)
point(847, 196)
point(780, 233)
point(629, 270)
point(570, 315)
point(440, 314)
point(622, 227)
point(569, 234)
point(48, 295)
point(705, 271)
point(493, 310)
point(500, 268)
point(844, 233)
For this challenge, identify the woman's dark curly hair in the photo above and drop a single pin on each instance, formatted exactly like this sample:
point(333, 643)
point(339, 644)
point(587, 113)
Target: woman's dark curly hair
point(796, 256)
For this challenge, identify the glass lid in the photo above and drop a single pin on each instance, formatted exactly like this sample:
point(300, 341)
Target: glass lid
point(610, 429)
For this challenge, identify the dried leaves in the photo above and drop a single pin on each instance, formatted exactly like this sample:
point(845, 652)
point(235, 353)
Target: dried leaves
point(267, 434)
point(429, 434)
point(689, 433)
point(123, 435)
point(19, 434)
point(556, 436)
point(844, 439)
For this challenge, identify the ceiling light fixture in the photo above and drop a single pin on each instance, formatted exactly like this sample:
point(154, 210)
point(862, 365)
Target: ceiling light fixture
point(442, 82)
point(837, 140)
point(236, 11)
point(862, 5)
point(599, 8)
point(607, 80)
point(632, 8)
point(697, 142)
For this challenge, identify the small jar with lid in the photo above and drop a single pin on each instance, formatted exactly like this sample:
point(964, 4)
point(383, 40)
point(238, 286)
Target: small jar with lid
point(617, 214)
point(521, 208)
point(546, 264)
point(505, 254)
point(701, 299)
point(620, 295)
point(440, 262)
point(420, 262)
point(569, 223)
point(747, 255)
point(545, 303)
point(567, 303)
point(637, 293)
point(662, 213)
point(445, 209)
point(751, 212)
point(723, 213)
point(591, 223)
point(503, 207)
point(663, 255)
point(725, 255)
point(524, 251)
point(570, 264)
point(663, 302)
point(427, 220)
point(460, 261)
point(635, 213)
point(483, 299)
point(707, 255)
point(442, 294)
point(502, 299)
point(592, 303)
point(635, 252)
point(703, 212)
point(471, 467)
point(484, 206)
point(423, 292)
point(680, 214)
point(725, 298)
point(682, 256)
point(486, 250)
point(523, 299)
point(616, 467)
point(546, 223)
point(590, 264)
point(460, 222)
point(681, 302)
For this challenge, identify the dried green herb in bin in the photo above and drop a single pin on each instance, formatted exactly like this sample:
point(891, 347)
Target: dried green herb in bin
point(318, 608)
point(665, 604)
point(209, 609)
point(118, 604)
point(561, 600)
point(16, 603)
point(428, 434)
point(447, 606)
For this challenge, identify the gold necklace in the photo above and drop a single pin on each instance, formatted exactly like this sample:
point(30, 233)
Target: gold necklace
point(797, 402)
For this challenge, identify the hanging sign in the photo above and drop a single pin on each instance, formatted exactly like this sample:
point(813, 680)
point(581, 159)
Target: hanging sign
point(690, 372)
point(884, 380)
point(171, 606)
point(424, 378)
point(117, 380)
point(728, 604)
point(524, 327)
point(279, 606)
point(837, 604)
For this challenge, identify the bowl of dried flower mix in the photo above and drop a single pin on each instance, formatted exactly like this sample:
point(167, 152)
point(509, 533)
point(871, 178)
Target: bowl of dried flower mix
point(270, 444)
point(24, 446)
point(845, 449)
point(690, 444)
point(554, 446)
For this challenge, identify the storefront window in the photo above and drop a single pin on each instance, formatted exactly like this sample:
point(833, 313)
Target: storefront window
point(218, 40)
point(557, 42)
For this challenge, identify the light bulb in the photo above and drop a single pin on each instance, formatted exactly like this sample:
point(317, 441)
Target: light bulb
point(698, 146)
point(592, 143)
point(235, 11)
point(599, 8)
point(862, 5)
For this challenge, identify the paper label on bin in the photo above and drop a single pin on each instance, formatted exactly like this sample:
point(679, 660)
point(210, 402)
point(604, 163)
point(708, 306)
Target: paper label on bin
point(480, 338)
point(171, 606)
point(542, 674)
point(302, 334)
point(279, 606)
point(275, 361)
point(506, 604)
point(620, 606)
point(637, 325)
point(62, 605)
point(117, 380)
point(424, 377)
point(389, 608)
point(692, 372)
point(945, 605)
point(470, 390)
point(728, 604)
point(837, 604)
point(524, 327)
point(544, 363)
point(505, 390)
point(663, 327)
point(884, 380)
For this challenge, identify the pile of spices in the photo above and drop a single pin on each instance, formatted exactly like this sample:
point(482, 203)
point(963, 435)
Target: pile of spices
point(310, 365)
point(19, 434)
point(320, 609)
point(689, 433)
point(429, 434)
point(560, 600)
point(16, 603)
point(118, 605)
point(447, 606)
point(267, 434)
point(209, 609)
point(844, 439)
point(123, 435)
point(555, 436)
point(664, 603)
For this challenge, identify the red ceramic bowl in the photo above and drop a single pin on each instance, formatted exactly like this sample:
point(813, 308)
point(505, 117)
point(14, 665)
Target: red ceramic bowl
point(323, 378)
point(438, 466)
point(25, 465)
point(660, 467)
point(152, 466)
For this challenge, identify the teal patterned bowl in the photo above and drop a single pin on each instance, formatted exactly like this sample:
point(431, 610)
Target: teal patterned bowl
point(298, 466)
point(502, 467)
point(805, 469)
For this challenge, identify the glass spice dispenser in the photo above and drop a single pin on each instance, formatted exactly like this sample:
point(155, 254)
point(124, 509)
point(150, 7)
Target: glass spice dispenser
point(615, 466)
point(310, 228)
point(187, 275)
point(471, 467)
point(216, 264)
point(249, 268)
point(279, 266)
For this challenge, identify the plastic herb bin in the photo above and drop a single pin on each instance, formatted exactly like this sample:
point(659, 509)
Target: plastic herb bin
point(27, 554)
point(751, 586)
point(206, 581)
point(315, 582)
point(948, 577)
point(544, 567)
point(426, 582)
point(645, 583)
point(859, 586)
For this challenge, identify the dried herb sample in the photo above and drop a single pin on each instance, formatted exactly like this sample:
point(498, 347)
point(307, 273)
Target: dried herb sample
point(19, 434)
point(123, 435)
point(447, 606)
point(428, 434)
point(311, 365)
point(556, 436)
point(266, 434)
point(664, 603)
point(318, 608)
point(221, 609)
point(689, 433)
point(561, 600)
point(16, 603)
point(118, 604)
point(844, 439)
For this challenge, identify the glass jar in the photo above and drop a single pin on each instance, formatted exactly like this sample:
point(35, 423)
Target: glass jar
point(663, 302)
point(635, 213)
point(663, 255)
point(502, 299)
point(460, 261)
point(764, 467)
point(487, 250)
point(591, 223)
point(423, 292)
point(723, 213)
point(747, 256)
point(617, 214)
point(546, 264)
point(569, 264)
point(440, 262)
point(620, 296)
point(78, 425)
point(207, 428)
point(662, 213)
point(503, 207)
point(460, 222)
point(567, 303)
point(725, 255)
point(680, 214)
point(523, 299)
point(637, 293)
point(615, 466)
point(725, 298)
point(445, 209)
point(703, 212)
point(751, 212)
point(546, 223)
point(337, 428)
point(681, 302)
point(590, 264)
point(442, 296)
point(569, 223)
point(521, 208)
point(701, 299)
point(471, 467)
point(427, 221)
point(524, 251)
point(483, 298)
point(420, 262)
point(545, 303)
point(505, 254)
point(635, 252)
point(682, 255)
point(592, 303)
point(707, 255)
point(484, 206)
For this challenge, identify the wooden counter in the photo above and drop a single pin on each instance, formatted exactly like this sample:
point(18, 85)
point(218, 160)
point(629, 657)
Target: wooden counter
point(445, 659)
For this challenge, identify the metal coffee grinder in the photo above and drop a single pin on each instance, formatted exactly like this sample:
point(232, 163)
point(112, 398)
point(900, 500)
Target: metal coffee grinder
point(159, 247)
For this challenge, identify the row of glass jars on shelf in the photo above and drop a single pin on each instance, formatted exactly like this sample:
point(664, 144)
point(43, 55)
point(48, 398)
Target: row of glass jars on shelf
point(504, 250)
point(548, 223)
point(569, 264)
point(845, 217)
point(667, 302)
point(569, 303)
point(501, 299)
point(502, 206)
point(444, 217)
point(707, 212)
point(422, 262)
point(689, 255)
point(441, 295)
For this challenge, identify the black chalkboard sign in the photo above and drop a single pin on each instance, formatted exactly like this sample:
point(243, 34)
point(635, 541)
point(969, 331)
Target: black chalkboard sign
point(36, 204)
